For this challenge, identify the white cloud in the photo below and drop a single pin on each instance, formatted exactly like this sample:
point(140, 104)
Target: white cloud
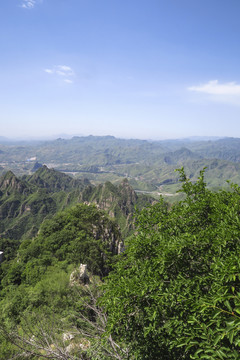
point(213, 87)
point(65, 68)
point(63, 71)
point(228, 93)
point(28, 4)
point(68, 81)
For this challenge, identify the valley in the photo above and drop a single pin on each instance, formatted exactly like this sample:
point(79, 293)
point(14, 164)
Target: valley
point(149, 166)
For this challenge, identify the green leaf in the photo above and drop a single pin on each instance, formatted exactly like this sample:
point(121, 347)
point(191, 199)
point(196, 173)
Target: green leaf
point(217, 338)
point(231, 335)
point(228, 305)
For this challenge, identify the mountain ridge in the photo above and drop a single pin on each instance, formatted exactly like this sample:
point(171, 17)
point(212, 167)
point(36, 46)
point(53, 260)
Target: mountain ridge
point(24, 204)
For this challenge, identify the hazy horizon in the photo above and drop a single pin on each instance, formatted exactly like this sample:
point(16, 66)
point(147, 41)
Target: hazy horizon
point(70, 136)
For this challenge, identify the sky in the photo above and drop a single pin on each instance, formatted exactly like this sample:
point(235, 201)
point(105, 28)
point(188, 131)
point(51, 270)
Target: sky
point(148, 69)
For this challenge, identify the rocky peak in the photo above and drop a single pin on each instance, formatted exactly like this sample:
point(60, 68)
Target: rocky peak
point(54, 181)
point(127, 191)
point(11, 183)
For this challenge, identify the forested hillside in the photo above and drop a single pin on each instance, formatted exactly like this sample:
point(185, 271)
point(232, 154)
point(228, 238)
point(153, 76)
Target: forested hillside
point(37, 280)
point(173, 293)
point(92, 269)
point(25, 202)
point(50, 224)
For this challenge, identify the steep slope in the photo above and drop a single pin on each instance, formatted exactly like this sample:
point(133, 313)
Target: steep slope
point(26, 202)
point(120, 201)
point(13, 193)
point(81, 234)
point(9, 182)
point(55, 181)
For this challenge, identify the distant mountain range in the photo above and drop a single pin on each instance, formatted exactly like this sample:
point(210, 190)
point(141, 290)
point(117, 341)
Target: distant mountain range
point(148, 165)
point(68, 136)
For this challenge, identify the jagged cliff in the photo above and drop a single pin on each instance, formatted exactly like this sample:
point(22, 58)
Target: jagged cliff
point(25, 202)
point(119, 201)
point(55, 181)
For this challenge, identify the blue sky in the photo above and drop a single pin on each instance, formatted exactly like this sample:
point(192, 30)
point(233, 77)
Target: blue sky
point(148, 69)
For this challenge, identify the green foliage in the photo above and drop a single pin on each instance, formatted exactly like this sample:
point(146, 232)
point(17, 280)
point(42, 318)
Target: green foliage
point(6, 349)
point(36, 283)
point(10, 247)
point(74, 334)
point(119, 201)
point(39, 274)
point(25, 203)
point(175, 293)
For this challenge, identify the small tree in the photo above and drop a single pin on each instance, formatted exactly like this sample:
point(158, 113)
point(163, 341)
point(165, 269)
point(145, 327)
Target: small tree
point(43, 334)
point(175, 293)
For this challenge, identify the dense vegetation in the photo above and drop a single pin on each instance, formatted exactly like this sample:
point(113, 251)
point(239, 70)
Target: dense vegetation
point(26, 201)
point(36, 271)
point(175, 292)
point(172, 294)
point(38, 281)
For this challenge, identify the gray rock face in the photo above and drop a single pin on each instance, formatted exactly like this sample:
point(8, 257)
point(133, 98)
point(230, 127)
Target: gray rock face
point(83, 276)
point(80, 275)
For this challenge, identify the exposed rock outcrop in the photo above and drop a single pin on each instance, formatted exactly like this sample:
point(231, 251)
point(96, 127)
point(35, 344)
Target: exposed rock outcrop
point(79, 276)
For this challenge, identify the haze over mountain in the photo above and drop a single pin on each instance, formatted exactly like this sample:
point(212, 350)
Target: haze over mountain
point(148, 165)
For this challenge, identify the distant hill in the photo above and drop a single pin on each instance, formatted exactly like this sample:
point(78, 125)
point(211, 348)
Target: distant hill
point(226, 149)
point(149, 166)
point(180, 156)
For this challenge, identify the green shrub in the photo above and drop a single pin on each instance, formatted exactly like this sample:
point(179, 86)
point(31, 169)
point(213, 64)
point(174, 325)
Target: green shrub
point(175, 293)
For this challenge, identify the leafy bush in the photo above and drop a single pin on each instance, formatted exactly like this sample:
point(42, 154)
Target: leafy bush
point(39, 274)
point(175, 293)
